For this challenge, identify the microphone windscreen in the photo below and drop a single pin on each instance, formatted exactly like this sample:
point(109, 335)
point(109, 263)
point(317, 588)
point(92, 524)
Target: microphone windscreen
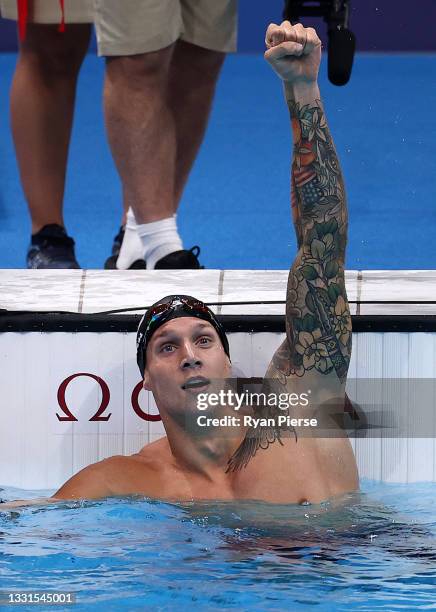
point(341, 49)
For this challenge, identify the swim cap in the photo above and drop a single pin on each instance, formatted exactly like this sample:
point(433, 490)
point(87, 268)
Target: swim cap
point(173, 307)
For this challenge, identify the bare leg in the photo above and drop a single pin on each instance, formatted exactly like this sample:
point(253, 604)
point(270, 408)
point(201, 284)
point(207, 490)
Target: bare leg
point(141, 132)
point(173, 107)
point(190, 87)
point(42, 107)
point(193, 75)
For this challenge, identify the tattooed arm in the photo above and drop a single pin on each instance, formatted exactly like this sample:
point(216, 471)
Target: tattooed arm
point(316, 353)
point(318, 322)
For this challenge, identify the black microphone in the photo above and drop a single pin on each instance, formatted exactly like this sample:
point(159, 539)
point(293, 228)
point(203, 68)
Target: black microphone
point(341, 49)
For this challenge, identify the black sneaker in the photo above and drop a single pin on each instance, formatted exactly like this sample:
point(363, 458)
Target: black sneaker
point(180, 260)
point(111, 262)
point(52, 248)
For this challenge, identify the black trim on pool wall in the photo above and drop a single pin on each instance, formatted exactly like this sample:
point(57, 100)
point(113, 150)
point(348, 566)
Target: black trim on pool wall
point(81, 323)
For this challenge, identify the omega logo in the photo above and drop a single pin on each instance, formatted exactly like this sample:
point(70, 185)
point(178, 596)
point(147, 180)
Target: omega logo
point(105, 399)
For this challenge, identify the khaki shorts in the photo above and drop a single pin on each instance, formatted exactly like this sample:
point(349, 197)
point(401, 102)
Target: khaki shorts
point(131, 27)
point(49, 11)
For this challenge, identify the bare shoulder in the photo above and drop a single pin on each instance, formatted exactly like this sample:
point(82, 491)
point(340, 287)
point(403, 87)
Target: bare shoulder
point(89, 483)
point(151, 458)
point(140, 473)
point(157, 451)
point(143, 473)
point(149, 472)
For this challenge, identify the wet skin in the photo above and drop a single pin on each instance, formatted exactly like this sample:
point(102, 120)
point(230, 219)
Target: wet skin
point(184, 466)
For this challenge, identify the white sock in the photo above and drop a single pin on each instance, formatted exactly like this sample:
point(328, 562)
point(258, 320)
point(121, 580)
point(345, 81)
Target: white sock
point(159, 238)
point(131, 248)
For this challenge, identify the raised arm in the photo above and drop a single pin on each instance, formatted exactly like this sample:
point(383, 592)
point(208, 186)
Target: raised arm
point(318, 322)
point(316, 353)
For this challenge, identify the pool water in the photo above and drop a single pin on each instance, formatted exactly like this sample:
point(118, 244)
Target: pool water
point(372, 550)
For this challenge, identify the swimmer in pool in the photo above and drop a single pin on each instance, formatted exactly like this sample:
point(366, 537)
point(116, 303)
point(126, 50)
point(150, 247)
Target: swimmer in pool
point(182, 349)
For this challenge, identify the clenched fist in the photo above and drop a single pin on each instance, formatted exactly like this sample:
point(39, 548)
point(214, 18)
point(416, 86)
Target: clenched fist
point(294, 52)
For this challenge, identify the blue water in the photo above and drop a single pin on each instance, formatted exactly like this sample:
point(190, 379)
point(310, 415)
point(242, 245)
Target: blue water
point(236, 204)
point(367, 551)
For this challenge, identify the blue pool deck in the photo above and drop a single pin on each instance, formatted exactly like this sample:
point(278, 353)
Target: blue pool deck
point(236, 205)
